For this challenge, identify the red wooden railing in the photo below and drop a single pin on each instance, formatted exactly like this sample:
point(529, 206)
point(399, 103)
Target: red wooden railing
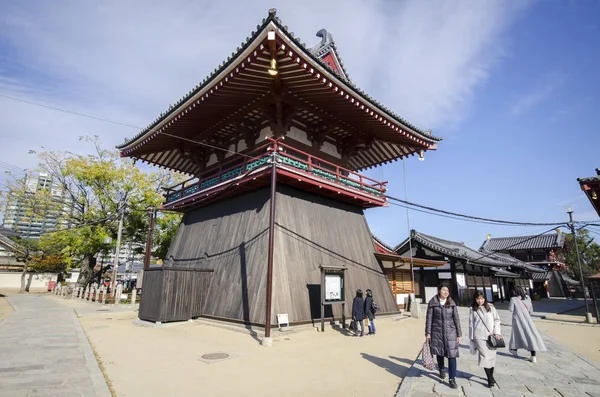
point(287, 156)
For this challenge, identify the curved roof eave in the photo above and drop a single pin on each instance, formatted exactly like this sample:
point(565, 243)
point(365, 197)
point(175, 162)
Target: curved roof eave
point(243, 51)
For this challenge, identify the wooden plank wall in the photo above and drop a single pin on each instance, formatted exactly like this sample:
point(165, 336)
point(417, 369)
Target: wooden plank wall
point(311, 231)
point(173, 294)
point(151, 298)
point(231, 238)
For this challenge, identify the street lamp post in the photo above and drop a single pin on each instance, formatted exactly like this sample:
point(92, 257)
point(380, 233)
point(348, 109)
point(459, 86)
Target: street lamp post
point(588, 315)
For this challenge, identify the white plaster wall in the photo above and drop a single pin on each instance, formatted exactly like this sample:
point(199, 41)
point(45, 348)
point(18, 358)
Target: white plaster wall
point(298, 135)
point(402, 299)
point(330, 149)
point(38, 282)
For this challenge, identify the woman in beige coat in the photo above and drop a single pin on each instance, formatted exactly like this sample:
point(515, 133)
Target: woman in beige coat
point(483, 322)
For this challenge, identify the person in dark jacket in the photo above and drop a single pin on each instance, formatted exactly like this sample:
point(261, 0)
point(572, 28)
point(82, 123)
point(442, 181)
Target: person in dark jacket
point(369, 311)
point(358, 312)
point(443, 332)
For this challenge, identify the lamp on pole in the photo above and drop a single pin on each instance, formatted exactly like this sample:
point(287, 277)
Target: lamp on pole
point(588, 315)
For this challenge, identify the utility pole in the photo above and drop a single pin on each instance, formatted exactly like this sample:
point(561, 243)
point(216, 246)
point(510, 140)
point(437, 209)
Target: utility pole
point(588, 315)
point(117, 251)
point(149, 238)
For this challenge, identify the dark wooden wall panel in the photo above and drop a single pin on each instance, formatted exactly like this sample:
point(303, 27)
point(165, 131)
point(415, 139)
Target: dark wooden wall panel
point(231, 238)
point(312, 231)
point(151, 298)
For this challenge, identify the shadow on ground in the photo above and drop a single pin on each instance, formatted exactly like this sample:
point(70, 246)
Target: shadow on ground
point(390, 366)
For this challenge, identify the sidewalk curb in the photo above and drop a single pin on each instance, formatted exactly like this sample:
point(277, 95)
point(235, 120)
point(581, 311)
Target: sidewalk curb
point(405, 387)
point(98, 381)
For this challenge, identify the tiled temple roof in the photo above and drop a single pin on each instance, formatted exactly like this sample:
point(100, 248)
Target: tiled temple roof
point(272, 18)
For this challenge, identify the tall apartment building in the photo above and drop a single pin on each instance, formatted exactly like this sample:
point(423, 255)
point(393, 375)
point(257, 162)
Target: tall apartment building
point(25, 217)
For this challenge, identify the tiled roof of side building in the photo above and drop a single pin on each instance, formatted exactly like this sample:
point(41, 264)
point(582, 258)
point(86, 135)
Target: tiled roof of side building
point(456, 250)
point(380, 242)
point(243, 46)
point(545, 241)
point(11, 244)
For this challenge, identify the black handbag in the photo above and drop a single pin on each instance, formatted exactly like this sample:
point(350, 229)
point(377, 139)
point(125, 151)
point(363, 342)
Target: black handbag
point(491, 340)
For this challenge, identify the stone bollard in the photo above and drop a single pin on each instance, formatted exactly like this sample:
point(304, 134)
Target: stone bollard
point(73, 293)
point(133, 296)
point(415, 310)
point(97, 297)
point(118, 293)
point(58, 290)
point(104, 296)
point(89, 293)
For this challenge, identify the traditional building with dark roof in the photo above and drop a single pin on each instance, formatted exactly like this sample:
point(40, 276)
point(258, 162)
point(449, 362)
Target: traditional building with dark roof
point(273, 141)
point(9, 253)
point(545, 251)
point(466, 270)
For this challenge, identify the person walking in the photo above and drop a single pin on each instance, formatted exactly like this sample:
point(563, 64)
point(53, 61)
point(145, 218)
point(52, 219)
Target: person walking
point(443, 332)
point(483, 322)
point(358, 312)
point(524, 333)
point(369, 313)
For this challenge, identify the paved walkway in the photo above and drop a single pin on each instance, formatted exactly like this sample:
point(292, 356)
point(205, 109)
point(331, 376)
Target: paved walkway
point(44, 352)
point(559, 372)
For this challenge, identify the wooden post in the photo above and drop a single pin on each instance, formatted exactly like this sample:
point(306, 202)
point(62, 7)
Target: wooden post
point(149, 238)
point(322, 300)
point(394, 283)
point(271, 241)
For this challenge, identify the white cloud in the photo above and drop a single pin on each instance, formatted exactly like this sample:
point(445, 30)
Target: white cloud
point(538, 94)
point(128, 60)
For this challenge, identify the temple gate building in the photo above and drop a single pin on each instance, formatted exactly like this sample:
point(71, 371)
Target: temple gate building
point(274, 141)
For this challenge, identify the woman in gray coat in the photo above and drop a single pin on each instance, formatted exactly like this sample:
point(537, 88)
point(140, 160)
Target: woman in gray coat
point(524, 333)
point(442, 331)
point(483, 322)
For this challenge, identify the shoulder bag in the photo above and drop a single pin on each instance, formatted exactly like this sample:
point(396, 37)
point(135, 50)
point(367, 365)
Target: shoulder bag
point(491, 340)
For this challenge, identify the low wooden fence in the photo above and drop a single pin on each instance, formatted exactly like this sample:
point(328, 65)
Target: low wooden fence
point(173, 294)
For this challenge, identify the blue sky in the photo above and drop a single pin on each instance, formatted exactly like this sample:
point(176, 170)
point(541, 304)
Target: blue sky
point(512, 87)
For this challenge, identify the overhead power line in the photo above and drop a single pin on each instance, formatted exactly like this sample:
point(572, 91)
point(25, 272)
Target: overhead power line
point(107, 120)
point(476, 218)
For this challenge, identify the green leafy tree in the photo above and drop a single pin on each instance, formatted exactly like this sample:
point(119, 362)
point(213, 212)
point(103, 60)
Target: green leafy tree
point(165, 230)
point(589, 251)
point(97, 188)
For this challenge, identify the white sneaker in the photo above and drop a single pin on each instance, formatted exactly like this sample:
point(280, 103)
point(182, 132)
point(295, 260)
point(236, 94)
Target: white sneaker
point(514, 353)
point(533, 359)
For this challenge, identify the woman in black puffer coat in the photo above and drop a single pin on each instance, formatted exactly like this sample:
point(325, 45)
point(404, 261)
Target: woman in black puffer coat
point(358, 312)
point(442, 330)
point(369, 312)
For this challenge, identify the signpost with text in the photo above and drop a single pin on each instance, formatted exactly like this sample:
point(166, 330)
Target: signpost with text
point(332, 291)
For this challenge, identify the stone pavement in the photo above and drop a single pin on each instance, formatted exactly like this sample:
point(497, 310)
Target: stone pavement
point(44, 352)
point(558, 372)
